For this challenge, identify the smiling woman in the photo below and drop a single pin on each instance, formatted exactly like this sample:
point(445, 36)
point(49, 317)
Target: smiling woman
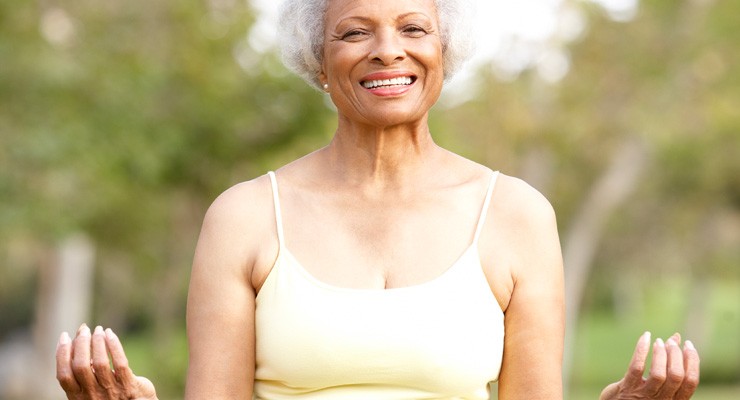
point(381, 266)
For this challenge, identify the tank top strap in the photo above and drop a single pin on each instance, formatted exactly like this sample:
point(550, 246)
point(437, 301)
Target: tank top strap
point(486, 204)
point(276, 201)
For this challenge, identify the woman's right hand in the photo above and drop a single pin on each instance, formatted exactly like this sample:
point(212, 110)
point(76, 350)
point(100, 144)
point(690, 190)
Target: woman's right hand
point(84, 368)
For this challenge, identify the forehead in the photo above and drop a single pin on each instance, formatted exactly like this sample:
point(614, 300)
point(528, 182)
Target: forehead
point(337, 10)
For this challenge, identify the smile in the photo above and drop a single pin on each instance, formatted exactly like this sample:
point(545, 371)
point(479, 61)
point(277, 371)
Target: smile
point(383, 83)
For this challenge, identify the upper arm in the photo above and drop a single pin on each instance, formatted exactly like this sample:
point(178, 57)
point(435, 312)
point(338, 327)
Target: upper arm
point(534, 317)
point(221, 299)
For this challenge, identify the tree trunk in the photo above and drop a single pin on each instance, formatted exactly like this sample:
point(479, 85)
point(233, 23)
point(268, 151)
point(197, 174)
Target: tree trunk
point(64, 300)
point(582, 240)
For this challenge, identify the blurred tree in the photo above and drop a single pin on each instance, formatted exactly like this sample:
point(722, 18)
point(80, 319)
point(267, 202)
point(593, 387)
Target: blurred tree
point(123, 120)
point(667, 80)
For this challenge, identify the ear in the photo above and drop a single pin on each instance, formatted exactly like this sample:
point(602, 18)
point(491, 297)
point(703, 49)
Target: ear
point(322, 77)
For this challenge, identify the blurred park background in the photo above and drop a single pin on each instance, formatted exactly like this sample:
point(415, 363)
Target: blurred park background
point(120, 121)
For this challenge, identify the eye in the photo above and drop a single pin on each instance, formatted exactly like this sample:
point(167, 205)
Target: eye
point(414, 30)
point(353, 35)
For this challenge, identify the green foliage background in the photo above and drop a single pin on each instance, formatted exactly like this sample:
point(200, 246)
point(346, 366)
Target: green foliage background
point(126, 128)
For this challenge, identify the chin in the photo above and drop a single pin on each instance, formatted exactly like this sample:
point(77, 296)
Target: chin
point(392, 115)
point(393, 122)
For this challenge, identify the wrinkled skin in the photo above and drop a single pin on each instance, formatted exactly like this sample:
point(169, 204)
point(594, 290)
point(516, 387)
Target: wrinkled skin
point(674, 373)
point(84, 368)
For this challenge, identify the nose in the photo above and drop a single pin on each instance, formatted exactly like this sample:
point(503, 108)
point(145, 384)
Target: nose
point(387, 48)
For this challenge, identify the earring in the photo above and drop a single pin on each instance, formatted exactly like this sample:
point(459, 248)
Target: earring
point(326, 87)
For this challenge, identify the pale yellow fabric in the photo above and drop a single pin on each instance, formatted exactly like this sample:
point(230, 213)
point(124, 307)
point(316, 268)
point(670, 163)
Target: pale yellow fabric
point(442, 339)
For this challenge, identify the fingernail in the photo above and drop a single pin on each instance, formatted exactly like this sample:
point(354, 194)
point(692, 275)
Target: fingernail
point(689, 345)
point(109, 333)
point(659, 342)
point(84, 330)
point(671, 342)
point(98, 330)
point(646, 336)
point(64, 338)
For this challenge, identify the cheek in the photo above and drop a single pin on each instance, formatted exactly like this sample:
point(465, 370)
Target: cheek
point(431, 55)
point(432, 58)
point(341, 60)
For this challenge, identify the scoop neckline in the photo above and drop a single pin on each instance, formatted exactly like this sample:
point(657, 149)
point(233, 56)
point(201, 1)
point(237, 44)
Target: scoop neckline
point(284, 252)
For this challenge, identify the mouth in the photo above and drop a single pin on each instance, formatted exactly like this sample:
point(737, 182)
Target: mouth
point(400, 81)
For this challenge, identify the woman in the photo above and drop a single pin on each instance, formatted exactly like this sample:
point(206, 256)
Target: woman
point(381, 266)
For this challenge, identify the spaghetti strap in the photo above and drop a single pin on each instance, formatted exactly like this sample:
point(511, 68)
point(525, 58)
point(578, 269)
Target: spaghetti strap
point(276, 201)
point(486, 204)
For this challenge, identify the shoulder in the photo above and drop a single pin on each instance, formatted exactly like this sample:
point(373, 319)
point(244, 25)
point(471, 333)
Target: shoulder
point(521, 229)
point(512, 198)
point(239, 228)
point(246, 202)
point(517, 202)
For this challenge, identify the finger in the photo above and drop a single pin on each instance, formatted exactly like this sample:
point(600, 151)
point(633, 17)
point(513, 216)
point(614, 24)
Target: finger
point(64, 364)
point(147, 387)
point(100, 361)
point(676, 338)
point(610, 392)
point(81, 359)
point(691, 365)
point(636, 369)
point(674, 370)
point(657, 376)
point(121, 369)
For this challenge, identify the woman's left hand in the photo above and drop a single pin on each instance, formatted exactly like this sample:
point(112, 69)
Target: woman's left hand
point(674, 373)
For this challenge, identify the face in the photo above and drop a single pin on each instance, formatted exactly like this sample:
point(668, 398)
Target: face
point(382, 59)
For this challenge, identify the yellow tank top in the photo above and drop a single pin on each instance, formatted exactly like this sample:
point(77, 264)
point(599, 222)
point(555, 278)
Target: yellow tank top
point(442, 339)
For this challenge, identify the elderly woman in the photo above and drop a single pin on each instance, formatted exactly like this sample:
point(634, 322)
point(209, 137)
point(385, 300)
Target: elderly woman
point(381, 266)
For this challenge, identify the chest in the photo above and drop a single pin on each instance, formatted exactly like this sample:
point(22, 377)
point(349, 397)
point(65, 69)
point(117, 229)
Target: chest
point(440, 339)
point(392, 242)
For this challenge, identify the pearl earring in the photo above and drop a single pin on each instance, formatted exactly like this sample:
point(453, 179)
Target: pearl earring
point(326, 87)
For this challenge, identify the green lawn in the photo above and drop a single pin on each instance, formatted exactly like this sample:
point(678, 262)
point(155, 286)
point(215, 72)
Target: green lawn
point(604, 342)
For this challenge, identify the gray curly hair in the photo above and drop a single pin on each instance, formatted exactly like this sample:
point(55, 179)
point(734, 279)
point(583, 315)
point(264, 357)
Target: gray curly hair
point(301, 35)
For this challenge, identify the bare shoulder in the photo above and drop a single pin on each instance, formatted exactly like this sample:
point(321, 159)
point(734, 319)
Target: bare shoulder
point(246, 202)
point(238, 226)
point(517, 201)
point(522, 228)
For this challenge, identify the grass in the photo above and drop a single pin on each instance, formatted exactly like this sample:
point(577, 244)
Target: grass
point(604, 342)
point(163, 361)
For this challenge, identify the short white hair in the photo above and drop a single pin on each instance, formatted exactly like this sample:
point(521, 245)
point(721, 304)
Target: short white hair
point(301, 35)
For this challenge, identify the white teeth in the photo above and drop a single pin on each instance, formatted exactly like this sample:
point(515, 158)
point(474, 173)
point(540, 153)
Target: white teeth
point(405, 80)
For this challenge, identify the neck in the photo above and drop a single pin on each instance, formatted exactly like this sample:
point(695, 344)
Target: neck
point(381, 157)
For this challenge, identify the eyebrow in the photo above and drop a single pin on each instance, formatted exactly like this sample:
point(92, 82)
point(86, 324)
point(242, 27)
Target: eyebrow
point(368, 20)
